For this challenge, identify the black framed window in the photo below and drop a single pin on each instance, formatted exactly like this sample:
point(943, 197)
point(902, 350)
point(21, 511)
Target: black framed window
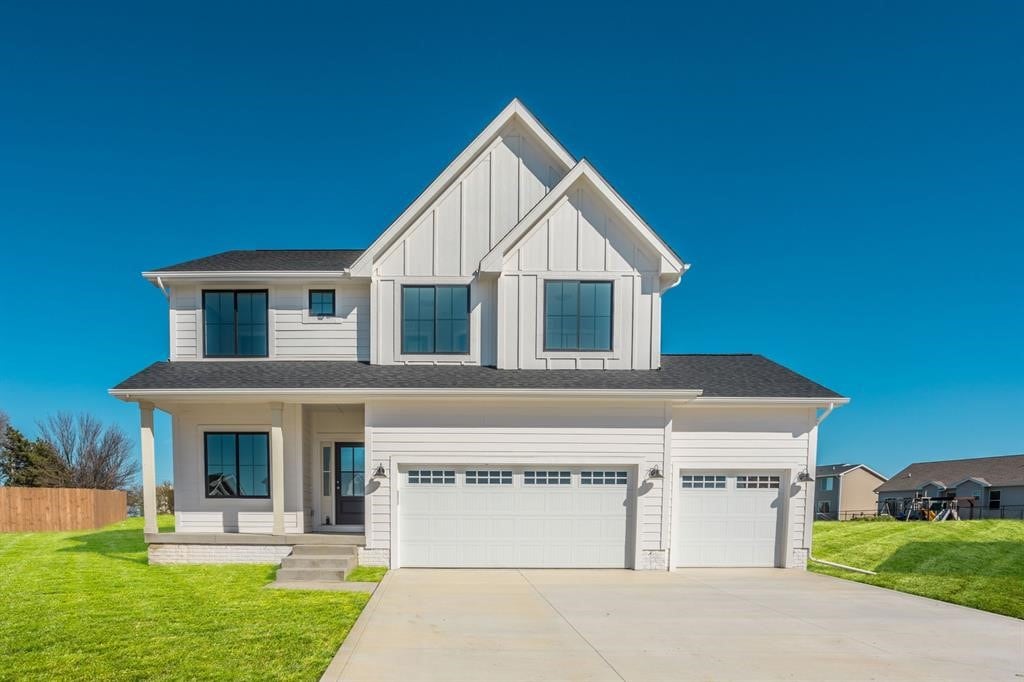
point(235, 324)
point(435, 319)
point(994, 498)
point(321, 302)
point(577, 315)
point(237, 464)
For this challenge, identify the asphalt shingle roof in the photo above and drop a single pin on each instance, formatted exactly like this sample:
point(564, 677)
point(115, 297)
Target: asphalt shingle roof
point(259, 260)
point(833, 469)
point(745, 376)
point(1005, 470)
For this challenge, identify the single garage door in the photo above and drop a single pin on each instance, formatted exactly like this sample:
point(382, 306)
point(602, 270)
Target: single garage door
point(516, 517)
point(727, 519)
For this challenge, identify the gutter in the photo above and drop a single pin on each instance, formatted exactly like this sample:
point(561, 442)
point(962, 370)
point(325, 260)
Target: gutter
point(328, 394)
point(157, 276)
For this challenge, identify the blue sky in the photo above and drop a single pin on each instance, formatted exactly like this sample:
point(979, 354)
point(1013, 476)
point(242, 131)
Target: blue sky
point(846, 178)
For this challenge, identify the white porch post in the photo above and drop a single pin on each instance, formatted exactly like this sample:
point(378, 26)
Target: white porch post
point(148, 448)
point(277, 466)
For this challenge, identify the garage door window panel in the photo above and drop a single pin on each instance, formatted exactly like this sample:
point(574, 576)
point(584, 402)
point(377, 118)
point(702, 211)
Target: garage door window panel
point(431, 477)
point(703, 481)
point(547, 478)
point(487, 477)
point(603, 478)
point(757, 482)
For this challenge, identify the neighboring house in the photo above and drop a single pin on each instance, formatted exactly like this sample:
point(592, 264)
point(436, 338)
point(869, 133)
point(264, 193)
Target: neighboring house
point(844, 491)
point(482, 386)
point(985, 487)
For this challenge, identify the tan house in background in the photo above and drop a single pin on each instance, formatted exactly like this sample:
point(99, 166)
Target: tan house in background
point(844, 491)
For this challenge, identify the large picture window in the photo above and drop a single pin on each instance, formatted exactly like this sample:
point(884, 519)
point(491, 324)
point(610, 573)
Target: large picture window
point(435, 319)
point(577, 315)
point(237, 464)
point(235, 324)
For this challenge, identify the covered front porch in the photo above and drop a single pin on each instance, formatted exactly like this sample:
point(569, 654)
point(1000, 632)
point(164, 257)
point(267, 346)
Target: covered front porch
point(260, 473)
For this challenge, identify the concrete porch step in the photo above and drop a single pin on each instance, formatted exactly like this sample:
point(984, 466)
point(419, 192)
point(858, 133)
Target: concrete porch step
point(340, 562)
point(310, 574)
point(323, 550)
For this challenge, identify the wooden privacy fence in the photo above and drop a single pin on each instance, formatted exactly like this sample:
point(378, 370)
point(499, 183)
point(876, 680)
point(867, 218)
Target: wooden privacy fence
point(40, 509)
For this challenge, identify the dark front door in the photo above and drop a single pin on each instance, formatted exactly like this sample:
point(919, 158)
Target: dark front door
point(349, 483)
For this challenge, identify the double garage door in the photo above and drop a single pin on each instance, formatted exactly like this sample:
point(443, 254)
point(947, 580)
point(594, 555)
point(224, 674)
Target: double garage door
point(552, 517)
point(574, 517)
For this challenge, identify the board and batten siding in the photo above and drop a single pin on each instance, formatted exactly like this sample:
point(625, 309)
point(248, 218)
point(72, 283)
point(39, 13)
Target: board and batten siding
point(583, 238)
point(495, 433)
point(293, 333)
point(713, 439)
point(447, 241)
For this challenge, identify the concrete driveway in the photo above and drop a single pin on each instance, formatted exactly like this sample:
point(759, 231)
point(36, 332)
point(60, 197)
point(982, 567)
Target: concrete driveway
point(708, 624)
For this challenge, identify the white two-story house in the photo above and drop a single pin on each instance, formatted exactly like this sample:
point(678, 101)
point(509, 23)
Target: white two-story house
point(483, 386)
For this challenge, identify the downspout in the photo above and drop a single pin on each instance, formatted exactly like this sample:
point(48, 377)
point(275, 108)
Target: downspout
point(160, 283)
point(825, 414)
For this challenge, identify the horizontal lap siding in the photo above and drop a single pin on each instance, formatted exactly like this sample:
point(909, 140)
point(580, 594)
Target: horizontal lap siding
point(748, 438)
point(500, 432)
point(184, 322)
point(343, 337)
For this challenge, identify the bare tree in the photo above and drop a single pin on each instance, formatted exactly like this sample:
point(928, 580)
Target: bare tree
point(89, 455)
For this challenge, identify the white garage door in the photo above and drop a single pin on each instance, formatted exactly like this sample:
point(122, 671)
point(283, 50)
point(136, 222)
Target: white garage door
point(551, 517)
point(727, 519)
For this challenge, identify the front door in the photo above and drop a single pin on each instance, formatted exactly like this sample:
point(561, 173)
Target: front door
point(349, 483)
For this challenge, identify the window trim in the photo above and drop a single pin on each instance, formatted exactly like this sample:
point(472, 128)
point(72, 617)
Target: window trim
point(611, 317)
point(401, 319)
point(998, 502)
point(334, 303)
point(206, 464)
point(235, 292)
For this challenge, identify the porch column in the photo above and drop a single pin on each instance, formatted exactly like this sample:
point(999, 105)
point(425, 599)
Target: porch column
point(148, 448)
point(277, 466)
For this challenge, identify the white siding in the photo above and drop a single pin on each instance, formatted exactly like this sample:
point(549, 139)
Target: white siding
point(741, 438)
point(592, 434)
point(581, 237)
point(299, 336)
point(185, 319)
point(293, 333)
point(445, 243)
point(194, 512)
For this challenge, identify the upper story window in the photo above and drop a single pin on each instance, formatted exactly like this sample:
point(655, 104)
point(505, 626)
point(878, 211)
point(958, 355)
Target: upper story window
point(577, 315)
point(321, 302)
point(235, 324)
point(828, 483)
point(237, 464)
point(435, 319)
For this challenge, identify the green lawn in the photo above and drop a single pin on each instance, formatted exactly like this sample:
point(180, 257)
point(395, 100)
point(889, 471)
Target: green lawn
point(973, 563)
point(366, 574)
point(86, 605)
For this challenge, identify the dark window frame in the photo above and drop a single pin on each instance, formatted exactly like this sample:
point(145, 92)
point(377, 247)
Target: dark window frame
point(334, 302)
point(611, 317)
point(234, 293)
point(996, 503)
point(206, 464)
point(435, 287)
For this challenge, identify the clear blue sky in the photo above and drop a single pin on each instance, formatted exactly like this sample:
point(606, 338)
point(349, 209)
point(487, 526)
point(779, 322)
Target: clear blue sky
point(846, 178)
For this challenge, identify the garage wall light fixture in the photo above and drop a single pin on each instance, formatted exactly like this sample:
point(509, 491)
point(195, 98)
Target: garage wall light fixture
point(804, 477)
point(654, 473)
point(379, 472)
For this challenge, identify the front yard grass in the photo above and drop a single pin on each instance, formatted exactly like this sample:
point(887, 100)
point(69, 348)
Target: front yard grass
point(972, 563)
point(86, 605)
point(366, 574)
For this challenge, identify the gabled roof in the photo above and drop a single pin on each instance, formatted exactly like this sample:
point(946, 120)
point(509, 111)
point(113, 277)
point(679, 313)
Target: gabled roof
point(997, 471)
point(494, 260)
point(265, 260)
point(843, 469)
point(710, 376)
point(515, 111)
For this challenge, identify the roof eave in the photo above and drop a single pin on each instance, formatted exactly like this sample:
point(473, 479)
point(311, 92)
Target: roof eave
point(327, 395)
point(154, 276)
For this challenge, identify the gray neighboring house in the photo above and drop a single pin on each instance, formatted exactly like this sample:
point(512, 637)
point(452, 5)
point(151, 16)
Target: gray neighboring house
point(844, 491)
point(987, 487)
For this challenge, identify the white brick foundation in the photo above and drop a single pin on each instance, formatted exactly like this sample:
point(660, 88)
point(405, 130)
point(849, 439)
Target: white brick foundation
point(653, 560)
point(217, 554)
point(373, 557)
point(798, 559)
